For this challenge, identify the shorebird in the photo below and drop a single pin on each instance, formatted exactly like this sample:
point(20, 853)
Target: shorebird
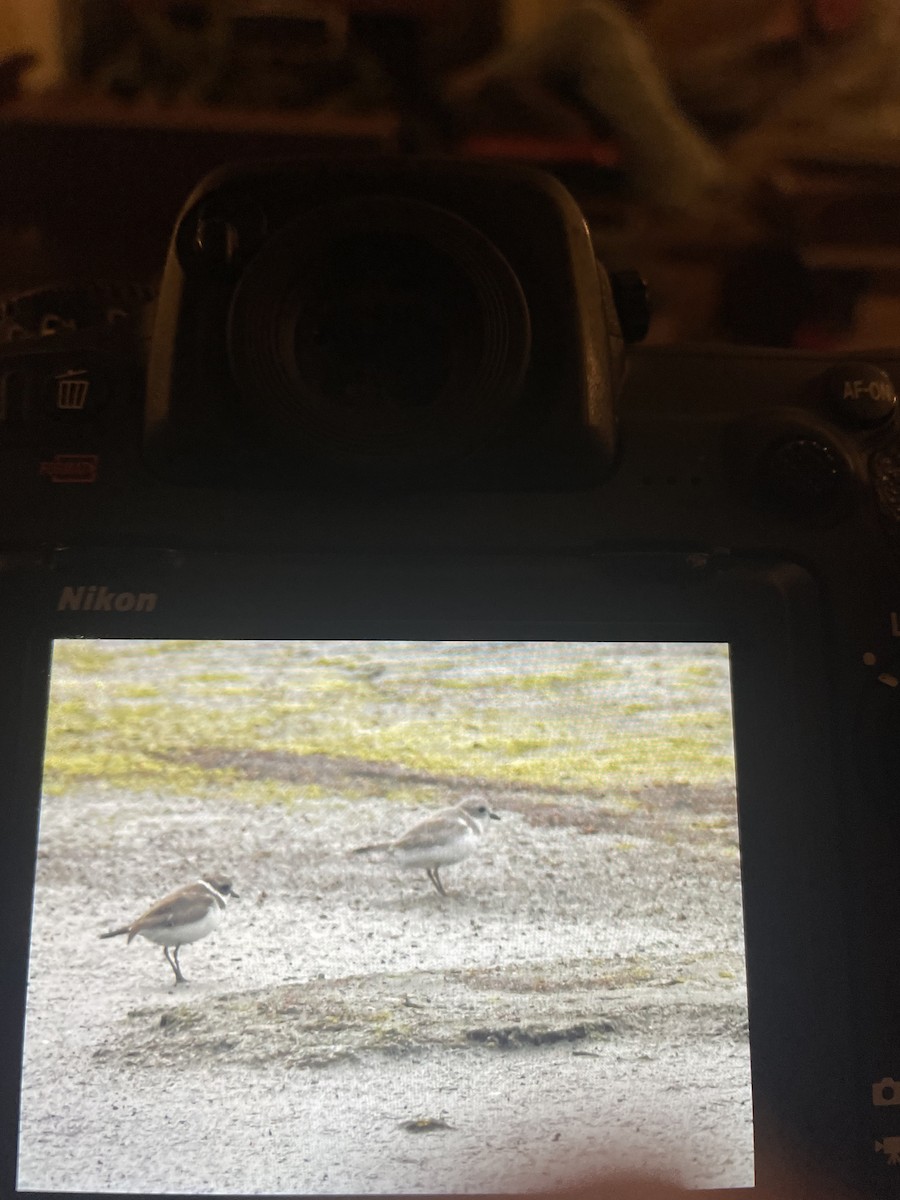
point(181, 917)
point(437, 841)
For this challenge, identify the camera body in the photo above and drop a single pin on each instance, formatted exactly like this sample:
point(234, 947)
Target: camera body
point(391, 400)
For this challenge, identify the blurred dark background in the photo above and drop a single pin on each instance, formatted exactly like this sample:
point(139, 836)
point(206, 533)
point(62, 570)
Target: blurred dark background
point(744, 156)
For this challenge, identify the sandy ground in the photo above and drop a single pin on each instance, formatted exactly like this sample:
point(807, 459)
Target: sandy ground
point(577, 1000)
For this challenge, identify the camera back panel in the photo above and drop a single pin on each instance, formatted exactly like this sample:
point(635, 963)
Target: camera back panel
point(276, 485)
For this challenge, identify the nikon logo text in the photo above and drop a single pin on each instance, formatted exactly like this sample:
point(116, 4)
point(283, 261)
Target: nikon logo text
point(101, 599)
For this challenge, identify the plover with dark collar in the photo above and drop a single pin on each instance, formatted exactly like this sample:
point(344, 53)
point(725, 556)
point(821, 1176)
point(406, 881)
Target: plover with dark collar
point(181, 917)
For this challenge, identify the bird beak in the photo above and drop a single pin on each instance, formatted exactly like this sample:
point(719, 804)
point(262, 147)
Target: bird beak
point(235, 896)
point(495, 816)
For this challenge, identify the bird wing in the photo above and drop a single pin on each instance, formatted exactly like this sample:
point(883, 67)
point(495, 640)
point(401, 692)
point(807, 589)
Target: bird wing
point(423, 834)
point(192, 905)
point(374, 848)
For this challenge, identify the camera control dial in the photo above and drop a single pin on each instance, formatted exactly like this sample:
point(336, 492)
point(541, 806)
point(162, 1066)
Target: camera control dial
point(803, 471)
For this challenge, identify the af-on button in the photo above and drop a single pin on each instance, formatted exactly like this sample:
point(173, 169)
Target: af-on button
point(860, 393)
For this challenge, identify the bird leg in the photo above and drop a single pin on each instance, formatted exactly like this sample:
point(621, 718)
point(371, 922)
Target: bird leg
point(173, 963)
point(432, 873)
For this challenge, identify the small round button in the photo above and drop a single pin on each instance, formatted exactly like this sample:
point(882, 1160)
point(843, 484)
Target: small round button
point(216, 240)
point(222, 236)
point(860, 393)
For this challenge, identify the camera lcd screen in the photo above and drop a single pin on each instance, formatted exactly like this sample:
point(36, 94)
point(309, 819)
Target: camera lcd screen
point(452, 917)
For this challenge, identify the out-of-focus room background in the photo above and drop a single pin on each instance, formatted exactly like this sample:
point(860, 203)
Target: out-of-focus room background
point(744, 156)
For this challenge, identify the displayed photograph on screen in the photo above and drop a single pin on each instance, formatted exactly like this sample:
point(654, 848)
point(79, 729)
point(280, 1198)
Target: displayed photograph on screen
point(359, 917)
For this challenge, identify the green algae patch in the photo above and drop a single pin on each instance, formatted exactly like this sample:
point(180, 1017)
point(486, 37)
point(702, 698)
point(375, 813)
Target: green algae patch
point(146, 714)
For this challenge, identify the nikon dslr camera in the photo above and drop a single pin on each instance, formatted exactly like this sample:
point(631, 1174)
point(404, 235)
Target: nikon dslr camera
point(371, 516)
